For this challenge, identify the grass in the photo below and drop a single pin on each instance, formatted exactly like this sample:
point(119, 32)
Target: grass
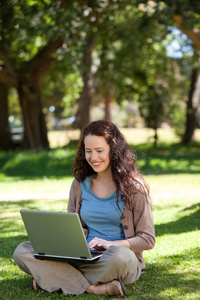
point(56, 163)
point(173, 173)
point(173, 266)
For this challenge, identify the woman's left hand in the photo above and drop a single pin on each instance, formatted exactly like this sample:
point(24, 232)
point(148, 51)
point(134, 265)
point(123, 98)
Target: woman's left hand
point(98, 243)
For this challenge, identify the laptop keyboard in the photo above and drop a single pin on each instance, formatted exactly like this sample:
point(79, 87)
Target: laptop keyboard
point(95, 253)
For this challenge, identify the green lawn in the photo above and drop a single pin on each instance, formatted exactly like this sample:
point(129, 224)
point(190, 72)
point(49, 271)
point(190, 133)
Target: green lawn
point(173, 173)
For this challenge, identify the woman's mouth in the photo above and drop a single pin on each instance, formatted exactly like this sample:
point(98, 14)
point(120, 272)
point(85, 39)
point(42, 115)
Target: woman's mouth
point(96, 164)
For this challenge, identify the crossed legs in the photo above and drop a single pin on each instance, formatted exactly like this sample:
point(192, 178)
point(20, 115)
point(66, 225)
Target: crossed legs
point(116, 263)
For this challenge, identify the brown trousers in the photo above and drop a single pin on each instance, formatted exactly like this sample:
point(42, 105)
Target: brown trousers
point(116, 263)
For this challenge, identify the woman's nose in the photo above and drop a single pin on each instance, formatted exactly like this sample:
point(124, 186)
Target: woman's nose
point(93, 156)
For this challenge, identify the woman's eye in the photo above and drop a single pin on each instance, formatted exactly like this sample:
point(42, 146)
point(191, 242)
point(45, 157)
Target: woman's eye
point(99, 151)
point(87, 151)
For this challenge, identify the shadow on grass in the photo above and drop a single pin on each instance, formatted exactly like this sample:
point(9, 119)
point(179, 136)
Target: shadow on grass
point(13, 222)
point(172, 277)
point(9, 245)
point(168, 158)
point(167, 277)
point(16, 205)
point(32, 164)
point(57, 163)
point(158, 165)
point(187, 223)
point(21, 289)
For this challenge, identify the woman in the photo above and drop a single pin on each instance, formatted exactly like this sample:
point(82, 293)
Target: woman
point(112, 200)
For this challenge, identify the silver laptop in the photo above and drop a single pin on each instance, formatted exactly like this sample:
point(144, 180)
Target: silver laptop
point(57, 236)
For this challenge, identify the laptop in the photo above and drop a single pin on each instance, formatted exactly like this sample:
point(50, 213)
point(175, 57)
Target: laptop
point(58, 236)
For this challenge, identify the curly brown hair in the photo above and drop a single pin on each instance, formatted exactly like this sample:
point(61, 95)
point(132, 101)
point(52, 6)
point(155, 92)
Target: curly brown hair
point(125, 172)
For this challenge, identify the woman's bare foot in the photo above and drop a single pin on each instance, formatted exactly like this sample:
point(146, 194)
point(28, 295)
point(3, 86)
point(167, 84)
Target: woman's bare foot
point(112, 288)
point(34, 285)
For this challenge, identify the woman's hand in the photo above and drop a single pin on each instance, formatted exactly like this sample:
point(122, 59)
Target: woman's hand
point(99, 244)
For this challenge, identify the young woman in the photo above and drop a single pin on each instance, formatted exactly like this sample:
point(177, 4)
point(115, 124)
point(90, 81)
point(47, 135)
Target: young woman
point(112, 200)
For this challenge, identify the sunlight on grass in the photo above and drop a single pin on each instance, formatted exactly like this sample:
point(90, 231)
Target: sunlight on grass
point(171, 266)
point(41, 180)
point(18, 189)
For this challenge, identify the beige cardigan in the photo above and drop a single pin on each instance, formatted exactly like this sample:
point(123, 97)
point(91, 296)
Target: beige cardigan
point(137, 223)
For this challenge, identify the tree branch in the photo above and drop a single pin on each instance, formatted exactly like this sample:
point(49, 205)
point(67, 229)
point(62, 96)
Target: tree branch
point(7, 78)
point(42, 61)
point(7, 63)
point(193, 34)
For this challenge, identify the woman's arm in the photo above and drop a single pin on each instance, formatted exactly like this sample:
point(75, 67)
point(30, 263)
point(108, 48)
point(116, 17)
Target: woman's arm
point(72, 203)
point(139, 226)
point(75, 202)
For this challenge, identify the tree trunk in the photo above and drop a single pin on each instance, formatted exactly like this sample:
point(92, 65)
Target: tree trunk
point(35, 135)
point(107, 101)
point(85, 99)
point(192, 106)
point(192, 34)
point(155, 136)
point(27, 80)
point(5, 137)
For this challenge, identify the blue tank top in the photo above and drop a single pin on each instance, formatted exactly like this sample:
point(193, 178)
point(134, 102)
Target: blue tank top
point(101, 215)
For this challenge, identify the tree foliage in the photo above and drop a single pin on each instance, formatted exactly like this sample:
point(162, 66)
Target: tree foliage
point(134, 66)
point(31, 32)
point(185, 15)
point(67, 54)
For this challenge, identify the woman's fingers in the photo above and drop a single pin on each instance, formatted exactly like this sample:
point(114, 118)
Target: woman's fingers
point(98, 243)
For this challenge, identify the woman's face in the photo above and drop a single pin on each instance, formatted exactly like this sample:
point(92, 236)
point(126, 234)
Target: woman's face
point(97, 153)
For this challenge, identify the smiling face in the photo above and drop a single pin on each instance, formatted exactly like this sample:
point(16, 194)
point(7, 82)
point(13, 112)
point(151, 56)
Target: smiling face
point(97, 153)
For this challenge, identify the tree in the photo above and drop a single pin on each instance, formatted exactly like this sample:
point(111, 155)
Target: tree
point(194, 95)
point(192, 106)
point(26, 73)
point(85, 99)
point(186, 16)
point(134, 64)
point(31, 32)
point(5, 138)
point(98, 28)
